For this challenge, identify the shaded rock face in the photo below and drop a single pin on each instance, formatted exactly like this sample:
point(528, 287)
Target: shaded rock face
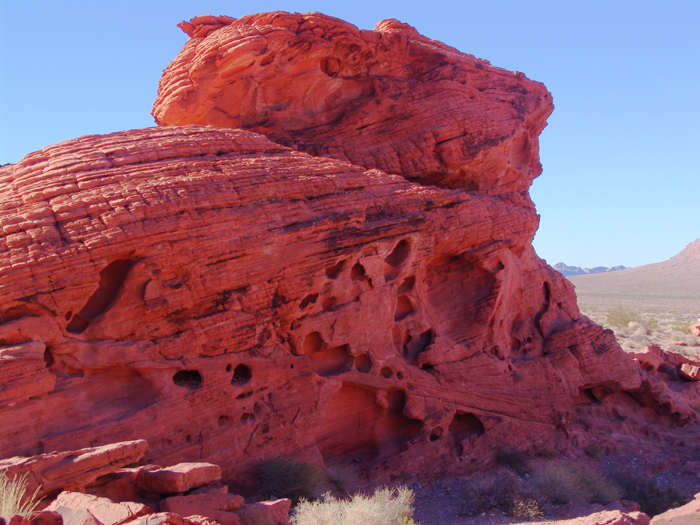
point(230, 299)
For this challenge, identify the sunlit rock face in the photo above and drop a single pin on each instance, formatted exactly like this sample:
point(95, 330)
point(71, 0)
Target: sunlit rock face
point(344, 276)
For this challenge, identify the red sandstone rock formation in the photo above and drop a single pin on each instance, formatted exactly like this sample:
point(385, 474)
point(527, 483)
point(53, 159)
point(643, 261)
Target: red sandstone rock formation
point(230, 299)
point(71, 470)
point(390, 98)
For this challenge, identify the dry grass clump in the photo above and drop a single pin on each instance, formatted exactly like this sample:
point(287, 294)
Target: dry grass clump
point(384, 507)
point(514, 459)
point(562, 482)
point(13, 499)
point(289, 478)
point(525, 496)
point(502, 489)
point(620, 317)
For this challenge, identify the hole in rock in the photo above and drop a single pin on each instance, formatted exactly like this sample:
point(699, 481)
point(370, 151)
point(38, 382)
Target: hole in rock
point(225, 421)
point(48, 358)
point(330, 66)
point(191, 379)
point(241, 375)
point(334, 271)
point(399, 254)
point(357, 272)
point(112, 277)
point(460, 296)
point(386, 372)
point(395, 259)
point(313, 342)
point(244, 395)
point(77, 324)
point(427, 367)
point(357, 427)
point(465, 425)
point(415, 345)
point(306, 301)
point(363, 363)
point(188, 438)
point(435, 434)
point(228, 368)
point(399, 375)
point(407, 285)
point(68, 315)
point(332, 361)
point(395, 428)
point(247, 418)
point(404, 308)
point(329, 303)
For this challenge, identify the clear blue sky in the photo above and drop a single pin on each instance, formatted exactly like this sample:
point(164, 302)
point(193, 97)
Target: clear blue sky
point(620, 182)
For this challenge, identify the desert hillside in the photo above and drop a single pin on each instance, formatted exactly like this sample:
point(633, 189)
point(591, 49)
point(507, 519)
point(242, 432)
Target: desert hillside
point(670, 285)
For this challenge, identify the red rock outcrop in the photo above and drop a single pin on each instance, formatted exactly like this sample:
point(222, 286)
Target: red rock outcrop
point(390, 98)
point(230, 299)
point(71, 470)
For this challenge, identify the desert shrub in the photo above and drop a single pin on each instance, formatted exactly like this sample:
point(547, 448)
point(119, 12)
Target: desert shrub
point(651, 325)
point(548, 453)
point(384, 507)
point(13, 497)
point(500, 489)
point(594, 450)
point(342, 478)
point(562, 482)
point(289, 478)
point(646, 491)
point(514, 459)
point(525, 508)
point(620, 317)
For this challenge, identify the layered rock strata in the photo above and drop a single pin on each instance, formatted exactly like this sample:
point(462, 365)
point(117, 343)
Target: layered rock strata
point(350, 280)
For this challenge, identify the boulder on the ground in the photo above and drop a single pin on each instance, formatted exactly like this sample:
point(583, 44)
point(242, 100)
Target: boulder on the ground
point(73, 469)
point(178, 478)
point(85, 509)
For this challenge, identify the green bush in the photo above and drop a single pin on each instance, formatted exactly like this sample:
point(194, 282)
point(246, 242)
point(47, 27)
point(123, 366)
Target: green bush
point(384, 507)
point(646, 491)
point(13, 498)
point(289, 478)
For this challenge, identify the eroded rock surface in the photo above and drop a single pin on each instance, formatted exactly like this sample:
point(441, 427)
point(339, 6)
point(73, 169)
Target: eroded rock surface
point(231, 299)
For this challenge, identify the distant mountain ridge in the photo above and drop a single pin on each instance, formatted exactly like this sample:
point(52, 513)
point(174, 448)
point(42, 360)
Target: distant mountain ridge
point(677, 278)
point(577, 270)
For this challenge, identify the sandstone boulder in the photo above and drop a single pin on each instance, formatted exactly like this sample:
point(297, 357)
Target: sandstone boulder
point(390, 98)
point(178, 478)
point(689, 372)
point(695, 329)
point(275, 512)
point(85, 509)
point(202, 504)
point(687, 514)
point(73, 469)
point(610, 517)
